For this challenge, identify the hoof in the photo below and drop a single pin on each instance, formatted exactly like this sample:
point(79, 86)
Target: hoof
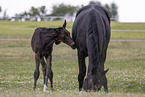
point(45, 88)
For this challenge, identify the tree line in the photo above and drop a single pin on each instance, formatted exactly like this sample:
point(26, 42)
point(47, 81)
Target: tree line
point(57, 10)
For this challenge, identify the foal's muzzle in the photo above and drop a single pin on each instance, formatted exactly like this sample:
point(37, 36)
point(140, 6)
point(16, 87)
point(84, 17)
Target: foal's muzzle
point(73, 46)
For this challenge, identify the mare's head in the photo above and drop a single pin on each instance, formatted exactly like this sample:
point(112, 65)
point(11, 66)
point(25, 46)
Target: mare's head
point(95, 80)
point(64, 36)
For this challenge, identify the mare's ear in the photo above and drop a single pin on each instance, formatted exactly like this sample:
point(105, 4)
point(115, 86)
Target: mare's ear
point(104, 72)
point(64, 25)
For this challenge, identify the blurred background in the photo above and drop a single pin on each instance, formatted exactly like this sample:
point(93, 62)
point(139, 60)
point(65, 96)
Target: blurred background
point(44, 10)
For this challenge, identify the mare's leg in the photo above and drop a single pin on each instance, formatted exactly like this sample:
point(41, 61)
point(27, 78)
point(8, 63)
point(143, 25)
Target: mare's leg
point(82, 69)
point(103, 58)
point(43, 68)
point(105, 84)
point(36, 72)
point(49, 73)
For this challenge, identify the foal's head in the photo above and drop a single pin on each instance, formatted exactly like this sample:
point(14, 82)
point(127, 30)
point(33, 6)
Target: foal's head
point(64, 36)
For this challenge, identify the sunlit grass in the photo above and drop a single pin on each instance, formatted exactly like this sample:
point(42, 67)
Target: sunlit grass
point(16, 29)
point(128, 26)
point(24, 30)
point(125, 60)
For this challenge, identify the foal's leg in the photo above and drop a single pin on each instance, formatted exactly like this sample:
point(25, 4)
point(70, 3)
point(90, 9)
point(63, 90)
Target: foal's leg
point(82, 69)
point(36, 72)
point(43, 68)
point(49, 73)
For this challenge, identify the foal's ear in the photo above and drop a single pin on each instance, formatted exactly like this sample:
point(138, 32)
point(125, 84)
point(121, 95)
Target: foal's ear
point(64, 25)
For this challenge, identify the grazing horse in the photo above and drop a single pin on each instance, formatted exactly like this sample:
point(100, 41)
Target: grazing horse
point(91, 34)
point(42, 45)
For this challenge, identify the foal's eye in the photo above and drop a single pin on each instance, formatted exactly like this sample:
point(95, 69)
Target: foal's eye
point(64, 37)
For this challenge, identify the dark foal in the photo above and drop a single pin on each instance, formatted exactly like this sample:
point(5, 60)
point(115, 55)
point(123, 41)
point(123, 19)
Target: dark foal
point(42, 44)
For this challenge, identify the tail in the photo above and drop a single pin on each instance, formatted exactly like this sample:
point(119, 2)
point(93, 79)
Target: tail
point(95, 39)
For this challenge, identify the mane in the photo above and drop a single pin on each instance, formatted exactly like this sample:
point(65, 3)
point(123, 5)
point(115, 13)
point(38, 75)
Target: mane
point(50, 28)
point(45, 28)
point(54, 28)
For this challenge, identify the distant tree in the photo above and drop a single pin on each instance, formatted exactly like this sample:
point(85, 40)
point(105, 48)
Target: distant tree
point(95, 2)
point(114, 11)
point(25, 15)
point(62, 10)
point(42, 10)
point(0, 8)
point(107, 7)
point(34, 12)
point(5, 16)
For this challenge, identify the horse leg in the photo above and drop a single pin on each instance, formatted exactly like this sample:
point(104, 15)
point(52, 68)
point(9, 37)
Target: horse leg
point(44, 69)
point(49, 73)
point(105, 84)
point(103, 58)
point(82, 69)
point(36, 72)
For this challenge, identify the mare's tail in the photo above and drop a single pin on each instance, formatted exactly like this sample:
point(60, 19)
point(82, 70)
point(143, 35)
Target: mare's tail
point(96, 37)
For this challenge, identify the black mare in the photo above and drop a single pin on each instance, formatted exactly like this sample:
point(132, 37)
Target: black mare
point(42, 45)
point(91, 34)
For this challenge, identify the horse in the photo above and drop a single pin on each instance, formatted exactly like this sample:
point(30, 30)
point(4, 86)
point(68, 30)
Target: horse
point(91, 34)
point(42, 45)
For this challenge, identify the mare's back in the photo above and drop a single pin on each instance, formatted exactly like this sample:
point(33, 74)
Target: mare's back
point(84, 18)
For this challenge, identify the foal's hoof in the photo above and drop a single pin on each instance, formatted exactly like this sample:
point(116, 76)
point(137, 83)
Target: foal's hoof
point(34, 88)
point(52, 89)
point(45, 88)
point(80, 89)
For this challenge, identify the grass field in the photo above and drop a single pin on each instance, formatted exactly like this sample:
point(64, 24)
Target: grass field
point(126, 61)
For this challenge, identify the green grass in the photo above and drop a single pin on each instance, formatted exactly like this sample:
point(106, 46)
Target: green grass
point(128, 26)
point(127, 35)
point(12, 30)
point(17, 29)
point(126, 61)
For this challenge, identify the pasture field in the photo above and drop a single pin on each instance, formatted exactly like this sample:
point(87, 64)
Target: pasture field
point(125, 60)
